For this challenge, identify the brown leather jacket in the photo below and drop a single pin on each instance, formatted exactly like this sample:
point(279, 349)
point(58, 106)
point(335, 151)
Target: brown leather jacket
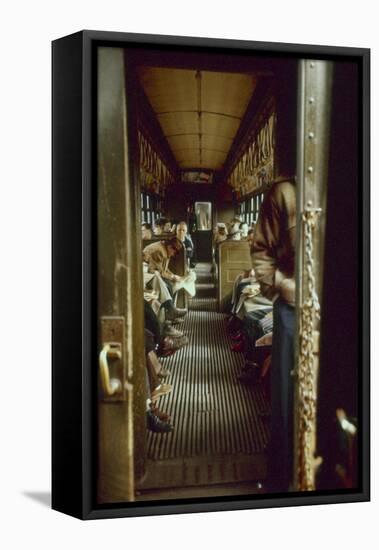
point(273, 250)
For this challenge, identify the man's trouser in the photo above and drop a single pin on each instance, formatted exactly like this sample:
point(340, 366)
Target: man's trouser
point(281, 449)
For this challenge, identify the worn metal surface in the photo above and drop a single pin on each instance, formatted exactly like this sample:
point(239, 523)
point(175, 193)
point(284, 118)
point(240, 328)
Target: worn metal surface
point(315, 82)
point(118, 280)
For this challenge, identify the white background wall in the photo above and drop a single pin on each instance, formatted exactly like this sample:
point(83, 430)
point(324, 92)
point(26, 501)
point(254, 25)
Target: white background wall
point(26, 31)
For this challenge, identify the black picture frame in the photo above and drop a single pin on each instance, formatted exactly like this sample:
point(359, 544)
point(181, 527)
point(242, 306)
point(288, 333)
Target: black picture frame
point(73, 272)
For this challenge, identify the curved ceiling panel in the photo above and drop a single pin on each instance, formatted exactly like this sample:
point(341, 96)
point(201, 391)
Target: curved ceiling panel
point(226, 93)
point(184, 141)
point(199, 111)
point(213, 141)
point(169, 89)
point(174, 124)
point(222, 126)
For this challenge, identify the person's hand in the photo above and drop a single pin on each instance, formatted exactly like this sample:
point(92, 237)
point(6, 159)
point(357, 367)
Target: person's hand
point(287, 290)
point(176, 278)
point(248, 273)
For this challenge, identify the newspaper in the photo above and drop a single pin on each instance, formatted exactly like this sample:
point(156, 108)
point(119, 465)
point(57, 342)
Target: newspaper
point(187, 283)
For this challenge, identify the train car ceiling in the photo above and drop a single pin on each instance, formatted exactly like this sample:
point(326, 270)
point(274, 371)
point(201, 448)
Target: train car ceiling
point(199, 112)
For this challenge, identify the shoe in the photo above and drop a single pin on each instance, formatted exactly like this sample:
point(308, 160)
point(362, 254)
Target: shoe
point(240, 346)
point(167, 347)
point(233, 324)
point(251, 374)
point(181, 341)
point(160, 414)
point(175, 312)
point(250, 364)
point(169, 330)
point(178, 321)
point(172, 344)
point(156, 425)
point(164, 373)
point(162, 389)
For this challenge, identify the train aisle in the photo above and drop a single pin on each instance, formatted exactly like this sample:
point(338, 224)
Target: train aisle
point(219, 430)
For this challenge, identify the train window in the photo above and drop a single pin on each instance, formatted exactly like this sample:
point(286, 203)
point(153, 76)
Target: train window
point(148, 208)
point(247, 210)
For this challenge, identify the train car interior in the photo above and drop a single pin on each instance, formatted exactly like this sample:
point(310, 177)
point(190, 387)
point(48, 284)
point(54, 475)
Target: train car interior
point(189, 145)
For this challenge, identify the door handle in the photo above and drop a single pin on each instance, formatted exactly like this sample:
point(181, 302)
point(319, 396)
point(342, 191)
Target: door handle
point(110, 385)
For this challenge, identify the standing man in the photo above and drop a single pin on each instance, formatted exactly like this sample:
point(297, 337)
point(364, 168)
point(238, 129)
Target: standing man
point(273, 255)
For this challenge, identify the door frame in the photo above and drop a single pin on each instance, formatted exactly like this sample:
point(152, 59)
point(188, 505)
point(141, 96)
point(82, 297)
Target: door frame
point(74, 493)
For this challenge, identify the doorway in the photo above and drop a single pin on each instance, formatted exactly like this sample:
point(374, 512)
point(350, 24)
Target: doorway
point(221, 427)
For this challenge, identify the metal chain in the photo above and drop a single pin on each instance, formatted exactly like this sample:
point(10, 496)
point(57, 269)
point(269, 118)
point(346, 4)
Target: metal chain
point(310, 311)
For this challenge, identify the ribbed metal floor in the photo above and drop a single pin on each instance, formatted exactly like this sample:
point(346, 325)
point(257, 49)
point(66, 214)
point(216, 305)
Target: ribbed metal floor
point(213, 413)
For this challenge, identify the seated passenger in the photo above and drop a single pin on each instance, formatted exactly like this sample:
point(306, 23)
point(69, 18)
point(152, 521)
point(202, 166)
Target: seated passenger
point(220, 233)
point(147, 232)
point(185, 238)
point(234, 233)
point(157, 256)
point(157, 421)
point(159, 225)
point(250, 237)
point(244, 228)
point(167, 227)
point(255, 324)
point(249, 308)
point(242, 281)
point(167, 339)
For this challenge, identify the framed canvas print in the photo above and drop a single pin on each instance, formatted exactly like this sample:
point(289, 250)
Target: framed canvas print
point(210, 274)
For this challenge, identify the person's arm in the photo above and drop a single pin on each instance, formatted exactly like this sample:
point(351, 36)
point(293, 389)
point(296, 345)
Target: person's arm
point(275, 218)
point(159, 262)
point(156, 261)
point(263, 250)
point(189, 246)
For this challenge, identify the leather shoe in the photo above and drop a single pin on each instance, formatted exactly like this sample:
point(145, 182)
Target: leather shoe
point(164, 373)
point(238, 347)
point(172, 344)
point(175, 312)
point(169, 330)
point(178, 321)
point(161, 390)
point(154, 424)
point(251, 374)
point(160, 414)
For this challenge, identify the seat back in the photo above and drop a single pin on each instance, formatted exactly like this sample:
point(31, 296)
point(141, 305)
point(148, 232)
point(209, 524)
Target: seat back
point(233, 258)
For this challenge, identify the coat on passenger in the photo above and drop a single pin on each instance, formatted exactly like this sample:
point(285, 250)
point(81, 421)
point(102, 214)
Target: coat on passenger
point(273, 250)
point(156, 256)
